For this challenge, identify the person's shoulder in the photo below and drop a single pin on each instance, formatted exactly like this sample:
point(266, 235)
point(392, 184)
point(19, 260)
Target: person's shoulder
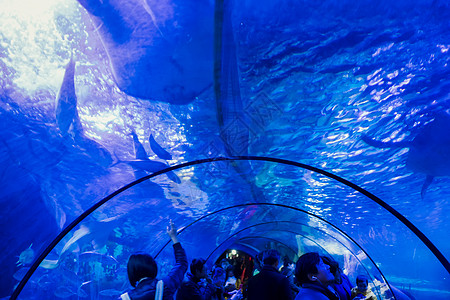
point(254, 277)
point(308, 294)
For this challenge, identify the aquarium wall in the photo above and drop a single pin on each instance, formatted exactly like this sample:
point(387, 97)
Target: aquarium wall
point(253, 125)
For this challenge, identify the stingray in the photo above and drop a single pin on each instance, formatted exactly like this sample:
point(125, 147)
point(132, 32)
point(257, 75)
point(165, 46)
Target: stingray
point(157, 50)
point(429, 151)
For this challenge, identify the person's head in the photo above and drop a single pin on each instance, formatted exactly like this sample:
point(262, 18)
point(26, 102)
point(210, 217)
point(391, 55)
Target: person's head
point(271, 258)
point(310, 268)
point(230, 272)
point(219, 276)
point(334, 267)
point(362, 283)
point(198, 268)
point(224, 264)
point(141, 265)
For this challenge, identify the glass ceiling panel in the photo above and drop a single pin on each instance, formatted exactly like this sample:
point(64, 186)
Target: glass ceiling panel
point(281, 203)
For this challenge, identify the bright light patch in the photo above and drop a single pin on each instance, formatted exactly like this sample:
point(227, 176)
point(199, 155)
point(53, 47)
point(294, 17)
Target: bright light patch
point(33, 42)
point(25, 9)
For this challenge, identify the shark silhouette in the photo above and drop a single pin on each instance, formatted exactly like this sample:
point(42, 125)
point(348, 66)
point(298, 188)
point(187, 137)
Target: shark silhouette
point(143, 163)
point(68, 120)
point(66, 101)
point(429, 151)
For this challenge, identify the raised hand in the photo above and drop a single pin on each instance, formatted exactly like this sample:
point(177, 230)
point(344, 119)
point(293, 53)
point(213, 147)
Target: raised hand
point(172, 232)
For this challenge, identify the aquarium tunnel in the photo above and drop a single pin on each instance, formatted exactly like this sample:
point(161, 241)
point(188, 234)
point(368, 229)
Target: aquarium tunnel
point(295, 125)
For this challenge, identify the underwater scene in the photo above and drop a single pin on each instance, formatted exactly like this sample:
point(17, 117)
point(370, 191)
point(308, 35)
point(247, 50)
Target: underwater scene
point(296, 125)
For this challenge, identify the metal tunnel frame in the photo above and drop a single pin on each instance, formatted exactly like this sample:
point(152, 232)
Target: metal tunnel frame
point(259, 224)
point(265, 223)
point(445, 263)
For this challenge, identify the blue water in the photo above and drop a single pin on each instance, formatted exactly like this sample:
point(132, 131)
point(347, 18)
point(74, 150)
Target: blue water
point(301, 81)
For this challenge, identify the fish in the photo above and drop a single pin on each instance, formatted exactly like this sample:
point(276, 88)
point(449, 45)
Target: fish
point(66, 100)
point(143, 163)
point(44, 282)
point(110, 293)
point(137, 27)
point(94, 150)
point(429, 150)
point(20, 273)
point(139, 149)
point(26, 257)
point(49, 264)
point(69, 122)
point(152, 166)
point(158, 150)
point(64, 292)
point(81, 292)
point(95, 256)
point(172, 176)
point(101, 230)
point(78, 234)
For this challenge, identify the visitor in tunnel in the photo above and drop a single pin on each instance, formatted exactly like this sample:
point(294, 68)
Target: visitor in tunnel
point(269, 283)
point(142, 271)
point(341, 284)
point(231, 282)
point(362, 289)
point(198, 285)
point(218, 278)
point(314, 276)
point(258, 263)
point(287, 270)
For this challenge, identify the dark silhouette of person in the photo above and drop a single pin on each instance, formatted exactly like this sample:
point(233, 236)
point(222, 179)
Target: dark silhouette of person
point(341, 284)
point(362, 289)
point(142, 271)
point(314, 276)
point(198, 285)
point(269, 284)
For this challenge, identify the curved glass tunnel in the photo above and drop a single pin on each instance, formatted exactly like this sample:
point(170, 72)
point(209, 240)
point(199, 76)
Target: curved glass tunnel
point(265, 213)
point(92, 100)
